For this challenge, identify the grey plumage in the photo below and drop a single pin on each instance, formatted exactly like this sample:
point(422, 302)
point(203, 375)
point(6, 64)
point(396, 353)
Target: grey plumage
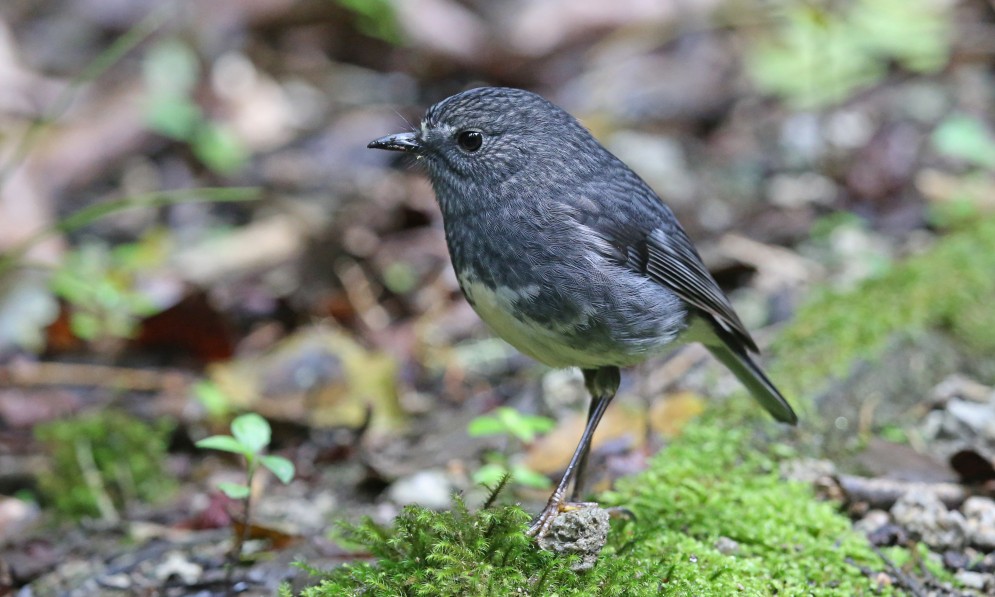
point(564, 251)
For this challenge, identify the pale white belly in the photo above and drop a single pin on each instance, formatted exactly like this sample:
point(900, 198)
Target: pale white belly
point(539, 341)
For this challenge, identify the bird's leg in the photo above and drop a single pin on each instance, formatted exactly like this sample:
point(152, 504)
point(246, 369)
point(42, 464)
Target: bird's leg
point(581, 475)
point(602, 384)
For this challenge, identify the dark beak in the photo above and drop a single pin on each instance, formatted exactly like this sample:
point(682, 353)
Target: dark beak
point(407, 142)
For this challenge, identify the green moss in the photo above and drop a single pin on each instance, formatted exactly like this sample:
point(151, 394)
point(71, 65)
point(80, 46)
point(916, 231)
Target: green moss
point(101, 462)
point(713, 481)
point(709, 484)
point(950, 285)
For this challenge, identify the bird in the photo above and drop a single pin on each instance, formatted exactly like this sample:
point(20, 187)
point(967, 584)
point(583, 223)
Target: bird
point(568, 255)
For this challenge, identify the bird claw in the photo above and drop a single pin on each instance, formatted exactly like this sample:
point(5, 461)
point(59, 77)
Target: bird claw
point(553, 509)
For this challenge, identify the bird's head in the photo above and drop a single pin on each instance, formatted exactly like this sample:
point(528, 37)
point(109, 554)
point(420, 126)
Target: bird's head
point(476, 140)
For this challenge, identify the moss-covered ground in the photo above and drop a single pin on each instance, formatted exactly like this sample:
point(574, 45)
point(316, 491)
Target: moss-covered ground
point(711, 483)
point(718, 480)
point(950, 286)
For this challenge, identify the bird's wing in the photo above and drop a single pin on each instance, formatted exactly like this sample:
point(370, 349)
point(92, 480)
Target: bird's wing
point(672, 260)
point(647, 238)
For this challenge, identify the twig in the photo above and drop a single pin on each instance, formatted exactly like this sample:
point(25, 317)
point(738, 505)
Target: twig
point(96, 68)
point(241, 538)
point(904, 579)
point(94, 482)
point(92, 213)
point(883, 493)
point(81, 374)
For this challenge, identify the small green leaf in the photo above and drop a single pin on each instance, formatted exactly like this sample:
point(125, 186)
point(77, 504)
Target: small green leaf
point(218, 148)
point(171, 68)
point(235, 491)
point(400, 277)
point(489, 474)
point(225, 443)
point(174, 117)
point(485, 425)
point(85, 325)
point(523, 475)
point(539, 423)
point(965, 138)
point(375, 18)
point(279, 466)
point(522, 426)
point(215, 400)
point(252, 431)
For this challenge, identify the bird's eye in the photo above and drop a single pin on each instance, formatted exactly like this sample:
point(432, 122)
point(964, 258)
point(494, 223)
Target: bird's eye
point(470, 140)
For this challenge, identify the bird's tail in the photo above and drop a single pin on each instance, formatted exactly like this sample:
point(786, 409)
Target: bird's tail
point(751, 376)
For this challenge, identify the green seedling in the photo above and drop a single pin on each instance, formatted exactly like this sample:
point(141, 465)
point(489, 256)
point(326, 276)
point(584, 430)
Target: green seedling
point(970, 144)
point(521, 428)
point(172, 73)
point(250, 436)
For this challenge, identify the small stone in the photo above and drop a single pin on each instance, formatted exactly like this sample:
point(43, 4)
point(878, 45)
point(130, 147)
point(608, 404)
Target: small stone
point(849, 129)
point(119, 581)
point(882, 580)
point(563, 388)
point(955, 560)
point(959, 387)
point(887, 535)
point(582, 531)
point(802, 136)
point(177, 564)
point(872, 521)
point(793, 191)
point(977, 416)
point(727, 546)
point(926, 519)
point(975, 580)
point(986, 564)
point(807, 470)
point(980, 514)
point(429, 488)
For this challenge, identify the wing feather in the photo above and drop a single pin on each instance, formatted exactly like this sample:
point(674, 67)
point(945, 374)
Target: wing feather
point(673, 261)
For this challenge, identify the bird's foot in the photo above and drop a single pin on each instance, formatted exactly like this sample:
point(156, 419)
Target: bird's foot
point(553, 509)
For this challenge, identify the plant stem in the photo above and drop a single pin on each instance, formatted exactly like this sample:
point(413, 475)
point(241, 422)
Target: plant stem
point(241, 538)
point(92, 213)
point(94, 481)
point(97, 67)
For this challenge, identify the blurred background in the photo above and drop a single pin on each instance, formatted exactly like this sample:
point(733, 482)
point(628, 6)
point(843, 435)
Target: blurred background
point(191, 227)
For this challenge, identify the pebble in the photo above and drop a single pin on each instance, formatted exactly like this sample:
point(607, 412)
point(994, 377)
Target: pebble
point(799, 190)
point(955, 560)
point(429, 488)
point(583, 531)
point(979, 417)
point(975, 580)
point(887, 535)
point(807, 470)
point(926, 519)
point(563, 388)
point(177, 564)
point(979, 513)
point(872, 521)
